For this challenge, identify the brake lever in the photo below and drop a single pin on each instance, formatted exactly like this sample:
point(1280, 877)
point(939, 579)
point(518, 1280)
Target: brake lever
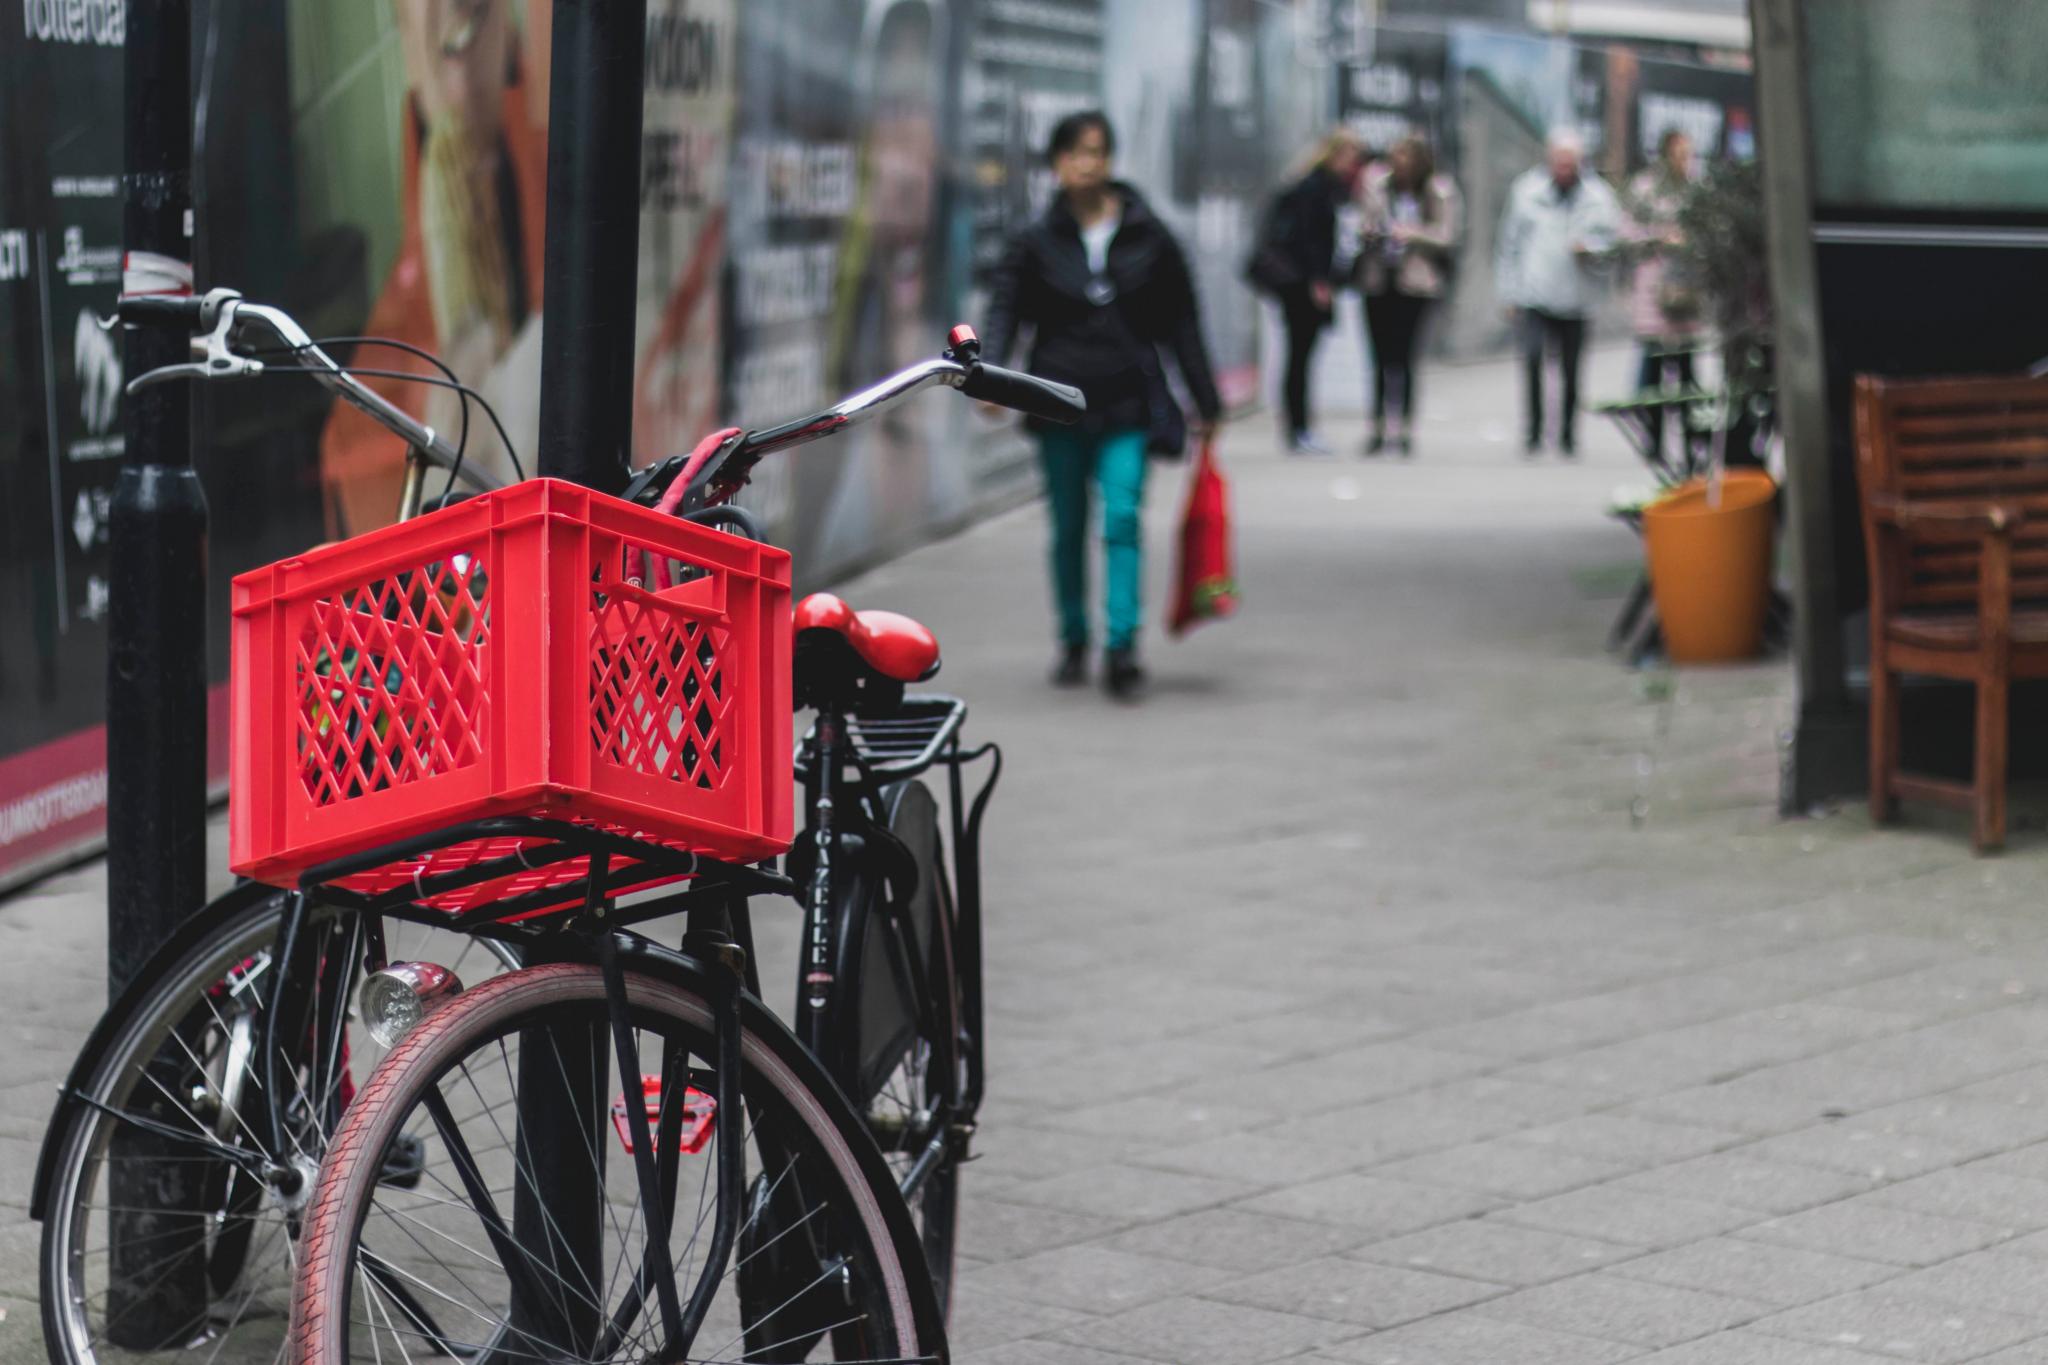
point(213, 367)
point(216, 360)
point(164, 374)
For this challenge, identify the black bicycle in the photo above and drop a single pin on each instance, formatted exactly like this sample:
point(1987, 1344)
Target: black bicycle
point(446, 1222)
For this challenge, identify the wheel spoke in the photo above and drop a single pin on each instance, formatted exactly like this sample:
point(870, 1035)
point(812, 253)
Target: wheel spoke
point(401, 1216)
point(827, 1273)
point(203, 1138)
point(523, 1171)
point(542, 1350)
point(511, 1255)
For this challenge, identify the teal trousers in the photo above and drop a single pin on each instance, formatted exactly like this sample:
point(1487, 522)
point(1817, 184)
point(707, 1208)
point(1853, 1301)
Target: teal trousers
point(1114, 463)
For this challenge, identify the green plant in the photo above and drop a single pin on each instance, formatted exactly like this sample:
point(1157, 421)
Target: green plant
point(1723, 222)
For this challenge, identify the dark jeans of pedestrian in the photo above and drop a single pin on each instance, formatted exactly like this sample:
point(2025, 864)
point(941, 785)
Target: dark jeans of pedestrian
point(1304, 324)
point(1394, 321)
point(1542, 332)
point(1661, 361)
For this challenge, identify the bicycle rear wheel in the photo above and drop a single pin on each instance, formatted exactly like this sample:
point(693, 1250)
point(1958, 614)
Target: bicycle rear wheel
point(505, 1258)
point(158, 1230)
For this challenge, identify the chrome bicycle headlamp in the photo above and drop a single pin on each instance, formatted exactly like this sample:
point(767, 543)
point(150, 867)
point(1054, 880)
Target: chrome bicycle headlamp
point(395, 1000)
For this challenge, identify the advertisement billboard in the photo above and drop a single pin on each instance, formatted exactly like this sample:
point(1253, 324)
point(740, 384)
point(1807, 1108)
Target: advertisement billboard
point(1397, 90)
point(60, 416)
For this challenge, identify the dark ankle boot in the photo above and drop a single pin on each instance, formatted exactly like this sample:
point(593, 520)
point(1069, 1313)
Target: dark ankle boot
point(1072, 668)
point(1121, 673)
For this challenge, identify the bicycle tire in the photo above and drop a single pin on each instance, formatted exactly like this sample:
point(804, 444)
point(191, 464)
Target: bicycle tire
point(780, 1083)
point(890, 1062)
point(230, 935)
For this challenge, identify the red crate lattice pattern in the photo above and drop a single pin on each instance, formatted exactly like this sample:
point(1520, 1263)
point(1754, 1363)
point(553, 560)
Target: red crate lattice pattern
point(391, 680)
point(658, 697)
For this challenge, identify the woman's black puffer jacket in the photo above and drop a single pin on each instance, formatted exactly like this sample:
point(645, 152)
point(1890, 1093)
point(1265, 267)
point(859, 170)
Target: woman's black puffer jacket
point(1043, 284)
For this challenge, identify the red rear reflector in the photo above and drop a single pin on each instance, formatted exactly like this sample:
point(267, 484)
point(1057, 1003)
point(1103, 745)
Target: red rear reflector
point(698, 1112)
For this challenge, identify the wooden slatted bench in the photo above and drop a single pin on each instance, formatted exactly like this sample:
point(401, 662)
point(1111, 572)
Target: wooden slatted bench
point(1954, 480)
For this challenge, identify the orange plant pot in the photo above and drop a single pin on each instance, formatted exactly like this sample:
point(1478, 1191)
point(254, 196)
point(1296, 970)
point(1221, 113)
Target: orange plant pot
point(1710, 565)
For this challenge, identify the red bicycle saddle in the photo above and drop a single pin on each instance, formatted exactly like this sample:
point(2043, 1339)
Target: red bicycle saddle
point(894, 646)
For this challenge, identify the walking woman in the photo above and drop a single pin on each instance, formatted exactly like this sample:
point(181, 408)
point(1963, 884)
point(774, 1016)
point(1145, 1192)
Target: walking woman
point(1411, 229)
point(1103, 288)
point(1296, 263)
point(1664, 304)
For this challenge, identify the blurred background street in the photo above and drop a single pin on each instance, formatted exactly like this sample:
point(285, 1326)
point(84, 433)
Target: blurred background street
point(1550, 921)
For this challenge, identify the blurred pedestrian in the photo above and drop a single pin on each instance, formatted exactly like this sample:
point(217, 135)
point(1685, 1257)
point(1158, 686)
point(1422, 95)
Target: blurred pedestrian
point(1296, 264)
point(1561, 224)
point(1103, 287)
point(1411, 231)
point(1665, 306)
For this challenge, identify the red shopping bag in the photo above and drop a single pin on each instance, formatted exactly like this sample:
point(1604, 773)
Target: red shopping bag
point(1203, 587)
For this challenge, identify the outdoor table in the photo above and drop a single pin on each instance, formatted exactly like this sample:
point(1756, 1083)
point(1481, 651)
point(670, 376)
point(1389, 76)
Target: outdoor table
point(1640, 417)
point(1635, 630)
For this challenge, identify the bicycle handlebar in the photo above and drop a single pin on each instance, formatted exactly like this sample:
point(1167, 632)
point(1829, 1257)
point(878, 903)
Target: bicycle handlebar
point(1027, 393)
point(184, 312)
point(960, 367)
point(225, 312)
point(346, 386)
point(715, 481)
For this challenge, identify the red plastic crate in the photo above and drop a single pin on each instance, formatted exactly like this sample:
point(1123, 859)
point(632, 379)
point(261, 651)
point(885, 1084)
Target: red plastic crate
point(541, 650)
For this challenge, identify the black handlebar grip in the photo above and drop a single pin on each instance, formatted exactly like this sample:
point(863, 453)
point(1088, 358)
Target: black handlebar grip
point(181, 311)
point(1027, 393)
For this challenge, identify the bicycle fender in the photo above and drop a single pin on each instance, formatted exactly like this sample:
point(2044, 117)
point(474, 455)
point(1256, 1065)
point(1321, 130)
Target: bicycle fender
point(871, 1010)
point(196, 928)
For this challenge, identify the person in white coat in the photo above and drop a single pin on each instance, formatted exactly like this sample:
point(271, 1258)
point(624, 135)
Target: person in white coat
point(1561, 225)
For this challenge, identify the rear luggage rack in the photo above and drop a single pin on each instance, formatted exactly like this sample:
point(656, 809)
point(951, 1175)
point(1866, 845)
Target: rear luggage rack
point(495, 876)
point(906, 741)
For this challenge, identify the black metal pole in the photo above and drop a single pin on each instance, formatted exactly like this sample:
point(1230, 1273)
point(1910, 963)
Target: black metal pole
point(156, 686)
point(593, 240)
point(156, 609)
point(590, 269)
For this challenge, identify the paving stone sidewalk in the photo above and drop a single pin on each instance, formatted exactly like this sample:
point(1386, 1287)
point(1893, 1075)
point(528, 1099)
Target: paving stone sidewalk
point(1405, 982)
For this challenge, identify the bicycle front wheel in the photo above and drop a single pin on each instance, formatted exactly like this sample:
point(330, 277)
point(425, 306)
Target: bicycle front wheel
point(529, 1237)
point(167, 1222)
